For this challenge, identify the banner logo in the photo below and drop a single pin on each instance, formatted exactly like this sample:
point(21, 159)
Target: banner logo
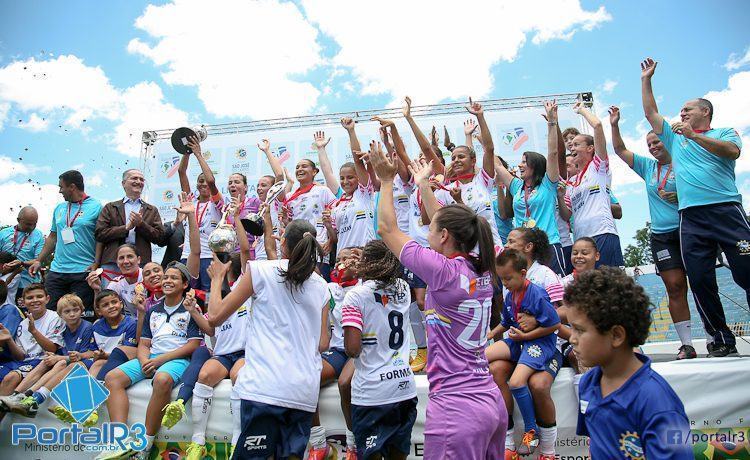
point(516, 137)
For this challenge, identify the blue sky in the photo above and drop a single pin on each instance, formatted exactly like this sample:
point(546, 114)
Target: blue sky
point(123, 66)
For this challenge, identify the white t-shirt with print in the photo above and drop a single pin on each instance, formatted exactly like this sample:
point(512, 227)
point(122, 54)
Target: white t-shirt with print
point(477, 195)
point(590, 201)
point(50, 325)
point(127, 291)
point(310, 206)
point(353, 218)
point(401, 194)
point(208, 215)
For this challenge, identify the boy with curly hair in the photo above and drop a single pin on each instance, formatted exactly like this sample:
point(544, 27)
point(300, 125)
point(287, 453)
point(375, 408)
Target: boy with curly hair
point(625, 407)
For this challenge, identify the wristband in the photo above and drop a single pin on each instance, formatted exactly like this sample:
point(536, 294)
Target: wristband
point(552, 123)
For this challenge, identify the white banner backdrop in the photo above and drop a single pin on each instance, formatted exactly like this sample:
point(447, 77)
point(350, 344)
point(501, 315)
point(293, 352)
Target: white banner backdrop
point(714, 392)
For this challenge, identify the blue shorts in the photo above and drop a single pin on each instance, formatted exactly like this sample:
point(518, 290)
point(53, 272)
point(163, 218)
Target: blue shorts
point(22, 367)
point(537, 354)
point(384, 429)
point(336, 357)
point(610, 252)
point(412, 279)
point(272, 431)
point(230, 359)
point(174, 368)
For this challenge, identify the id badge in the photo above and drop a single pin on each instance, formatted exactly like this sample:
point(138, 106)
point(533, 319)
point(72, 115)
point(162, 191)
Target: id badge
point(67, 235)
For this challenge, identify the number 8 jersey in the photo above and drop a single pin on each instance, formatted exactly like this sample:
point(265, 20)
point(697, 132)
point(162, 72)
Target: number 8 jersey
point(382, 372)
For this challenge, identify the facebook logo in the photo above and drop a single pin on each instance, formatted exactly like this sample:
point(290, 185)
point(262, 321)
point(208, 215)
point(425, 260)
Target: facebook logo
point(674, 437)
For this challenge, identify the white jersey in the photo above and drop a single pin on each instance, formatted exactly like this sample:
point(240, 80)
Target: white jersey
point(12, 287)
point(563, 228)
point(353, 218)
point(401, 193)
point(588, 193)
point(127, 291)
point(208, 216)
point(230, 336)
point(382, 373)
point(543, 276)
point(567, 280)
point(477, 195)
point(310, 206)
point(337, 331)
point(50, 325)
point(260, 248)
point(282, 361)
point(417, 230)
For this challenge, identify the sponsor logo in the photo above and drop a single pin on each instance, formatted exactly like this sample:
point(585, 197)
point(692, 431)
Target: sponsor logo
point(534, 351)
point(744, 247)
point(169, 166)
point(515, 137)
point(370, 442)
point(168, 195)
point(255, 442)
point(240, 153)
point(630, 445)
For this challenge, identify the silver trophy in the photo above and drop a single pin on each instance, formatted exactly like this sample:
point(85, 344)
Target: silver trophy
point(180, 138)
point(223, 240)
point(253, 222)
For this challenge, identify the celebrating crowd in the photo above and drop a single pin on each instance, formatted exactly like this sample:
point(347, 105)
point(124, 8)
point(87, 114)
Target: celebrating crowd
point(498, 277)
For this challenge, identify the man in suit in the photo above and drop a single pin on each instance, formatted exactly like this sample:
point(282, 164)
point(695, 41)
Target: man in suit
point(129, 220)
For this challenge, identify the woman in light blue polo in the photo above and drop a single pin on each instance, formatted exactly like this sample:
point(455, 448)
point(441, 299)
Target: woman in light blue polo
point(535, 193)
point(665, 225)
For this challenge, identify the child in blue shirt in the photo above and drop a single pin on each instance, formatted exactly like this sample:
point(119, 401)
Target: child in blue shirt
point(78, 347)
point(625, 407)
point(531, 321)
point(10, 319)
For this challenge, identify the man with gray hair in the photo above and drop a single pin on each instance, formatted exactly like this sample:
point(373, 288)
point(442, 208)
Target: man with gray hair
point(129, 220)
point(24, 241)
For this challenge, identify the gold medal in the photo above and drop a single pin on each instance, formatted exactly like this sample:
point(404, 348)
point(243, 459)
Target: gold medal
point(531, 223)
point(419, 222)
point(140, 289)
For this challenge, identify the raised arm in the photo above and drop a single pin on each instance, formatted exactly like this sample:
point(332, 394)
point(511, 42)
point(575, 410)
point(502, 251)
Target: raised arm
point(244, 243)
point(269, 241)
point(600, 142)
point(421, 173)
point(648, 67)
point(553, 165)
point(403, 171)
point(488, 161)
point(424, 144)
point(320, 144)
point(195, 146)
point(182, 173)
point(187, 208)
point(388, 229)
point(470, 126)
point(447, 140)
point(278, 171)
point(617, 143)
point(398, 145)
point(220, 308)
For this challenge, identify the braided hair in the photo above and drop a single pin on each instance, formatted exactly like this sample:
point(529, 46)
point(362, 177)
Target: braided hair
point(378, 263)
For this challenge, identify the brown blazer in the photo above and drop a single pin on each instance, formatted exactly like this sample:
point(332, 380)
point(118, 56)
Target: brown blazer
point(110, 230)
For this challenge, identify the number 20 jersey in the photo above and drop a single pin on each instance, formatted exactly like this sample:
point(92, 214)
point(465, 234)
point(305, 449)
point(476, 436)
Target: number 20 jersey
point(382, 372)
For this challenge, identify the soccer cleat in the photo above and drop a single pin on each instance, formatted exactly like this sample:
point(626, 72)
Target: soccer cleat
point(7, 401)
point(511, 455)
point(686, 352)
point(173, 413)
point(27, 406)
point(195, 451)
point(546, 457)
point(720, 351)
point(709, 347)
point(529, 442)
point(420, 360)
point(62, 414)
point(351, 453)
point(91, 420)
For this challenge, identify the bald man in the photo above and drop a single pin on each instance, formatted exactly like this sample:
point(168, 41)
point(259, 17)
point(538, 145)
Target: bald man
point(24, 241)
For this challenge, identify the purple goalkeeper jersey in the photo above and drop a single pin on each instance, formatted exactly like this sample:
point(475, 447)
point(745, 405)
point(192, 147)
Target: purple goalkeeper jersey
point(457, 312)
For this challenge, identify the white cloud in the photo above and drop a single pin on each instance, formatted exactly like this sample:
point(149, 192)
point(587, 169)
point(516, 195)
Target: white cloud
point(736, 61)
point(69, 92)
point(95, 180)
point(10, 168)
point(609, 86)
point(35, 123)
point(15, 195)
point(407, 56)
point(4, 109)
point(245, 58)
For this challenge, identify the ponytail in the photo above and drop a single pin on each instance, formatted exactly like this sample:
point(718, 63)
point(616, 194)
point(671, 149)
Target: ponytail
point(454, 218)
point(305, 253)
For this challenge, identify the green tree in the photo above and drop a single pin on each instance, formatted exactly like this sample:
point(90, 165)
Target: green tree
point(640, 254)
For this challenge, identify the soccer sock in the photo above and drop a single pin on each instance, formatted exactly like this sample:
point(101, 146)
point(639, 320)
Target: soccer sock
point(26, 393)
point(202, 396)
point(526, 406)
point(318, 437)
point(684, 332)
point(547, 438)
point(234, 407)
point(416, 317)
point(41, 395)
point(510, 443)
point(149, 442)
point(350, 441)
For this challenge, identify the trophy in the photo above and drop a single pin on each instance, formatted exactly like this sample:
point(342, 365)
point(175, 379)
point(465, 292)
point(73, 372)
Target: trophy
point(180, 138)
point(253, 222)
point(223, 240)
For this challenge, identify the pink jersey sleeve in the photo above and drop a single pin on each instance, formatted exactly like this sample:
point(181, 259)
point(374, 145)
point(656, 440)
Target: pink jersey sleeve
point(554, 288)
point(432, 267)
point(485, 179)
point(601, 166)
point(351, 312)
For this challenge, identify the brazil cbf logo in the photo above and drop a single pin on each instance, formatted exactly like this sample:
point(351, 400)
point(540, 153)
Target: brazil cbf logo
point(81, 394)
